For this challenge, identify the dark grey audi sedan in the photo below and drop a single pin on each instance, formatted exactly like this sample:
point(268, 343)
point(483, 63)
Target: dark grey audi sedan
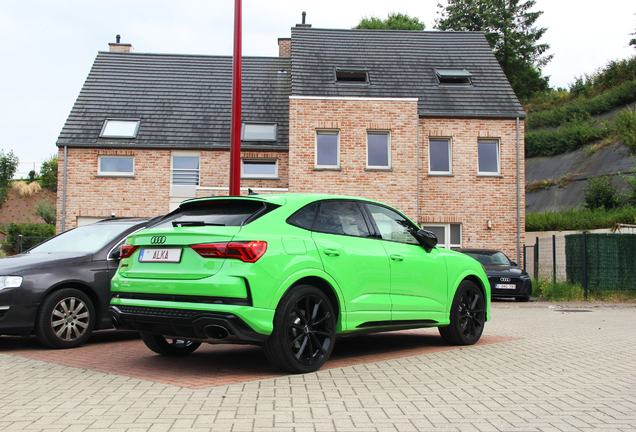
point(506, 278)
point(59, 290)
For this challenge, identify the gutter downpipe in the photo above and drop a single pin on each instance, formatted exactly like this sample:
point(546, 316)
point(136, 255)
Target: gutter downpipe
point(64, 191)
point(518, 196)
point(417, 195)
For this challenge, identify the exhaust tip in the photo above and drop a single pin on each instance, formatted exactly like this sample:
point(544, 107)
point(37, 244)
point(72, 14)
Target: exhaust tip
point(216, 332)
point(115, 322)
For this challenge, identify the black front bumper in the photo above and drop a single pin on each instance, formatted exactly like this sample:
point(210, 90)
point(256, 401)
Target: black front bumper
point(186, 324)
point(523, 288)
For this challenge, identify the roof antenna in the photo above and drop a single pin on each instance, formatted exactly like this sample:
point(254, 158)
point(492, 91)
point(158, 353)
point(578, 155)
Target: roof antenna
point(304, 15)
point(117, 38)
point(251, 192)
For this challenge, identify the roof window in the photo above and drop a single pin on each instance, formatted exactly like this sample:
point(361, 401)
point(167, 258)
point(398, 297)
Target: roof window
point(453, 76)
point(259, 132)
point(349, 75)
point(120, 128)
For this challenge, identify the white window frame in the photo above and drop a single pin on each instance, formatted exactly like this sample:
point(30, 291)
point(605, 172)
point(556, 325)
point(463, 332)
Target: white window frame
point(104, 134)
point(450, 155)
point(115, 173)
point(247, 125)
point(447, 234)
point(498, 146)
point(184, 190)
point(259, 176)
point(388, 148)
point(335, 132)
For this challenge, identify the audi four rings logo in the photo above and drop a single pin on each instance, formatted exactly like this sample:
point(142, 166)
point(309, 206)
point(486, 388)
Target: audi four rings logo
point(505, 279)
point(156, 240)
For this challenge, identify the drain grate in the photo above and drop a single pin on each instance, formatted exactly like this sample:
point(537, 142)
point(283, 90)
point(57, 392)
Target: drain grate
point(572, 310)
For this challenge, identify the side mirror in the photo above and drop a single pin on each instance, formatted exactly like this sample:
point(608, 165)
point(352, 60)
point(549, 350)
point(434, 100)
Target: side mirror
point(426, 239)
point(115, 254)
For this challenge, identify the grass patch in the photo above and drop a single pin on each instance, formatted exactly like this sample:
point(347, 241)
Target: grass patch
point(580, 219)
point(538, 185)
point(546, 290)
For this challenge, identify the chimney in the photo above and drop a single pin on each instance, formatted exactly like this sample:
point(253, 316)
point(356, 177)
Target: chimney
point(120, 47)
point(284, 47)
point(303, 25)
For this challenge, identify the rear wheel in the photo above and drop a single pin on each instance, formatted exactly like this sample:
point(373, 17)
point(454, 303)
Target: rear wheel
point(467, 315)
point(304, 331)
point(66, 319)
point(169, 347)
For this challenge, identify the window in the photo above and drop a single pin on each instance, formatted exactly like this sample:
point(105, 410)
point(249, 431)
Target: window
point(378, 150)
point(118, 128)
point(327, 149)
point(393, 226)
point(448, 235)
point(259, 132)
point(453, 76)
point(341, 217)
point(116, 165)
point(350, 75)
point(439, 155)
point(259, 168)
point(488, 155)
point(185, 170)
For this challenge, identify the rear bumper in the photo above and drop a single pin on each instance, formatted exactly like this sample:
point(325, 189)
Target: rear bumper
point(213, 327)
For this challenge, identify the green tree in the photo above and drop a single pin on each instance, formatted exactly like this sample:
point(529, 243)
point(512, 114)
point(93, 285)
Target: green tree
point(8, 166)
point(48, 173)
point(600, 192)
point(509, 28)
point(46, 211)
point(394, 21)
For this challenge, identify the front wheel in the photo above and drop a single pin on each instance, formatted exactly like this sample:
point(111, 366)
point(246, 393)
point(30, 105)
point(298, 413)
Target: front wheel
point(467, 316)
point(65, 320)
point(304, 331)
point(169, 347)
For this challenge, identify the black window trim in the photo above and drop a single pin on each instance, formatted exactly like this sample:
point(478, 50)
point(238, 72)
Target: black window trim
point(351, 69)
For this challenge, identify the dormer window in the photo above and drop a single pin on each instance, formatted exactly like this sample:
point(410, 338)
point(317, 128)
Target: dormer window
point(349, 75)
point(120, 128)
point(259, 132)
point(453, 76)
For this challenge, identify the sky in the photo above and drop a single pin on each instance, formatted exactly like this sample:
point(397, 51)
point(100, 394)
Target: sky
point(47, 47)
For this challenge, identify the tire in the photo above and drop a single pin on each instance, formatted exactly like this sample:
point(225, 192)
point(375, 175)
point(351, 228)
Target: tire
point(467, 316)
point(66, 319)
point(522, 299)
point(169, 347)
point(304, 331)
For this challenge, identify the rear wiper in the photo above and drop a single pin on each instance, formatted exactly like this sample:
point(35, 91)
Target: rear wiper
point(193, 223)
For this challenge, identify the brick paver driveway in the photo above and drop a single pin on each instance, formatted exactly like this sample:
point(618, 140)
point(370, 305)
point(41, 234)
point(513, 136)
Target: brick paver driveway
point(542, 367)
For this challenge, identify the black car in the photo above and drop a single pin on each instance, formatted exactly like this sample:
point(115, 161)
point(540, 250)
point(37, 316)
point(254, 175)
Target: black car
point(506, 278)
point(59, 290)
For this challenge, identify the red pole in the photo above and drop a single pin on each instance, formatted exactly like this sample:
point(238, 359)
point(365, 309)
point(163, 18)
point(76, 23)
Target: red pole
point(235, 134)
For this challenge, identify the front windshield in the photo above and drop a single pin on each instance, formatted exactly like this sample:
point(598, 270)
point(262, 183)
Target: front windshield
point(84, 239)
point(495, 259)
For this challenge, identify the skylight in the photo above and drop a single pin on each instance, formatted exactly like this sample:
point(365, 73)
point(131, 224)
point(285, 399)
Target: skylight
point(453, 76)
point(119, 128)
point(350, 75)
point(259, 132)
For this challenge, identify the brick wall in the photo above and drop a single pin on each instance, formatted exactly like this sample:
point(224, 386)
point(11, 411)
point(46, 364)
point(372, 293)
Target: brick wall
point(353, 118)
point(147, 194)
point(284, 47)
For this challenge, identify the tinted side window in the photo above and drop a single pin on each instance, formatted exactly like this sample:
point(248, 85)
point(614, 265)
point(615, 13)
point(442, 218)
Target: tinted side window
point(304, 218)
point(341, 217)
point(393, 226)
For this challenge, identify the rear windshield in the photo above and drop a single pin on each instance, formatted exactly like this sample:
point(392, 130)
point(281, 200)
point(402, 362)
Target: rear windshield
point(216, 213)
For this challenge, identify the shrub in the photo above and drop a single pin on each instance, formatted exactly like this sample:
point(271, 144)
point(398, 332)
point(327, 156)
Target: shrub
point(600, 192)
point(46, 211)
point(48, 173)
point(26, 189)
point(580, 219)
point(571, 136)
point(28, 230)
point(625, 126)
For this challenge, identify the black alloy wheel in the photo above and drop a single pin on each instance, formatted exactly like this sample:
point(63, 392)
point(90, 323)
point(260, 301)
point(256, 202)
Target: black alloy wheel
point(66, 319)
point(304, 331)
point(467, 316)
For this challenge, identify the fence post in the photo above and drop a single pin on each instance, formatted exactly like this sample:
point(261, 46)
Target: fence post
point(553, 259)
point(19, 244)
point(524, 256)
point(536, 259)
point(585, 263)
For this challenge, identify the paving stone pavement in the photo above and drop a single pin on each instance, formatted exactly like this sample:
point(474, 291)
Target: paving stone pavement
point(571, 368)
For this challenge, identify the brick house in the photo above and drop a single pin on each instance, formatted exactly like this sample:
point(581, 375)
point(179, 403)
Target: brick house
point(424, 121)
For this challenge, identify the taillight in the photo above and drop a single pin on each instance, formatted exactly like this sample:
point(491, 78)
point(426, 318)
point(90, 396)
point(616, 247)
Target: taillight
point(127, 250)
point(248, 251)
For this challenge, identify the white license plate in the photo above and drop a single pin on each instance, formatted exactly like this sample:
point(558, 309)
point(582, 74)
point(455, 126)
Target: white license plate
point(506, 286)
point(168, 255)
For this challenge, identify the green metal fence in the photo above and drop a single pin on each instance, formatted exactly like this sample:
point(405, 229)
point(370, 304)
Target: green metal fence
point(601, 261)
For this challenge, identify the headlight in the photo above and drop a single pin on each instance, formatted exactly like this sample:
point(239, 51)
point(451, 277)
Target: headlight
point(10, 281)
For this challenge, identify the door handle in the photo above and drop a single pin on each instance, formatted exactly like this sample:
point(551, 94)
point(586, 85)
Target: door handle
point(331, 252)
point(396, 257)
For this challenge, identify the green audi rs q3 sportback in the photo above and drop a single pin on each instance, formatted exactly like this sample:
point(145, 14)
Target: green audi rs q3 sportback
point(291, 273)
